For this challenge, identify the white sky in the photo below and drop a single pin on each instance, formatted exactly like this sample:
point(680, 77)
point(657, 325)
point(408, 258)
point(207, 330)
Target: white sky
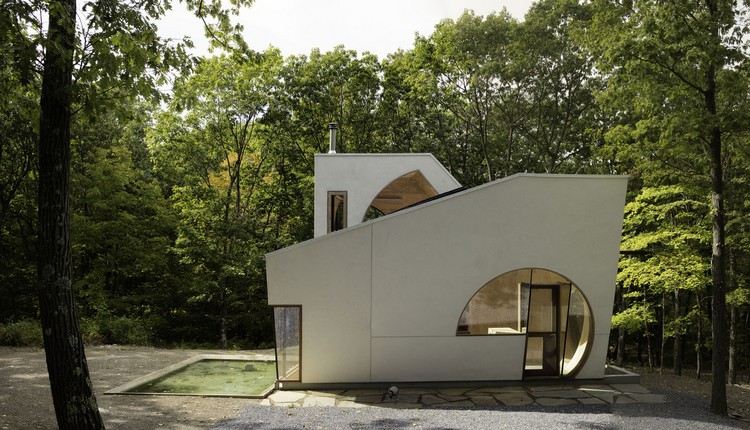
point(297, 26)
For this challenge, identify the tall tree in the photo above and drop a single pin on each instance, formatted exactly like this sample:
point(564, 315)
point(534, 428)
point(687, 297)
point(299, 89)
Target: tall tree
point(72, 390)
point(671, 68)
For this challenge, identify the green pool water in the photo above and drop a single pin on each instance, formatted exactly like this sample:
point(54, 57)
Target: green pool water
point(229, 377)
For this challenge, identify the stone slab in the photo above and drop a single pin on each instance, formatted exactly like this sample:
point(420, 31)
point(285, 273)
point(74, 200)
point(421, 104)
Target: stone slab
point(429, 400)
point(607, 396)
point(563, 394)
point(542, 388)
point(622, 399)
point(592, 401)
point(453, 398)
point(483, 400)
point(648, 398)
point(513, 399)
point(631, 388)
point(452, 391)
point(550, 401)
point(369, 398)
point(463, 404)
point(318, 401)
point(350, 404)
point(494, 390)
point(286, 396)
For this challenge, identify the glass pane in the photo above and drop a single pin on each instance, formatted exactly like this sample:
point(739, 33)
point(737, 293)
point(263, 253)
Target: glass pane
point(541, 354)
point(287, 324)
point(534, 353)
point(579, 331)
point(336, 211)
point(499, 307)
point(404, 191)
point(547, 277)
point(564, 301)
point(543, 310)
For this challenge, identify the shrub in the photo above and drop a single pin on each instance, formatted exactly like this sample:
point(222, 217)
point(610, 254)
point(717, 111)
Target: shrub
point(125, 331)
point(21, 333)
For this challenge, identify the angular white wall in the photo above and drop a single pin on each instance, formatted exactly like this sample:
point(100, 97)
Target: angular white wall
point(381, 301)
point(363, 176)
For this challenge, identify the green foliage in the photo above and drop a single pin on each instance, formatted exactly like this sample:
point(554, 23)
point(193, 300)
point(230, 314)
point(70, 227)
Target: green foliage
point(177, 196)
point(21, 333)
point(634, 318)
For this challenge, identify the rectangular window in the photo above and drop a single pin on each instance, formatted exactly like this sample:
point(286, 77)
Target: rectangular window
point(288, 328)
point(336, 211)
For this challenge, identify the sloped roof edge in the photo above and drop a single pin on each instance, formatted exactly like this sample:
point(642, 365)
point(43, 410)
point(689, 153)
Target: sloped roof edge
point(440, 200)
point(395, 154)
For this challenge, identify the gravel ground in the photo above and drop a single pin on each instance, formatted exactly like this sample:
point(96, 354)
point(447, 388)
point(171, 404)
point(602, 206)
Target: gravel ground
point(680, 412)
point(26, 402)
point(738, 396)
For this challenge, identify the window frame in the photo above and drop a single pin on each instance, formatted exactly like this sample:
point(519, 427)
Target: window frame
point(276, 347)
point(329, 210)
point(561, 351)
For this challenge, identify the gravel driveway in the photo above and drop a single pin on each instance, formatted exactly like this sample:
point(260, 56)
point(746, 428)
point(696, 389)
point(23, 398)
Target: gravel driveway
point(680, 412)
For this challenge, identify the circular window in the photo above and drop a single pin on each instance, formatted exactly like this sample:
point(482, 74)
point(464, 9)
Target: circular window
point(546, 307)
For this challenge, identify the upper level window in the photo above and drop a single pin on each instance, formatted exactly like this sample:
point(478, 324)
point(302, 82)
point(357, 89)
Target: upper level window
point(407, 189)
point(336, 210)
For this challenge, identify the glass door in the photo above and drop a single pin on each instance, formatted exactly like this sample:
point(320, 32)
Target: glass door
point(542, 336)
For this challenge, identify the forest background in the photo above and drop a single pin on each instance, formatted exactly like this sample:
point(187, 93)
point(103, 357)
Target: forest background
point(187, 170)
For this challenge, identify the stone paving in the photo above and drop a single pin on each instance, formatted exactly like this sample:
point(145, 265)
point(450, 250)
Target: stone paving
point(468, 398)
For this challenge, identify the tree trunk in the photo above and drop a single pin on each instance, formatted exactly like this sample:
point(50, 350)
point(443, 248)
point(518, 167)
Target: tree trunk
point(732, 372)
point(699, 340)
point(663, 345)
point(72, 391)
point(620, 331)
point(648, 349)
point(732, 345)
point(640, 350)
point(677, 358)
point(718, 303)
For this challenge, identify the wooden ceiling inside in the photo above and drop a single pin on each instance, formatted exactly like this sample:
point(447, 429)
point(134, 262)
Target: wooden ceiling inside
point(405, 190)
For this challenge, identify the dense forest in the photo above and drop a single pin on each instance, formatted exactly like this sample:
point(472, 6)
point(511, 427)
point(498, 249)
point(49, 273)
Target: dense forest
point(186, 170)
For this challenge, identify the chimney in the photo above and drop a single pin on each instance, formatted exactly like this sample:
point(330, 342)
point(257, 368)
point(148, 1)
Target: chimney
point(332, 137)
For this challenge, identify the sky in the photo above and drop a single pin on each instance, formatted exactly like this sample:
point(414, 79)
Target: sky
point(297, 26)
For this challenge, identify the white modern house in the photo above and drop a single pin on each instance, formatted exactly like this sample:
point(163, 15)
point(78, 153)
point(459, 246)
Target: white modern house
point(411, 278)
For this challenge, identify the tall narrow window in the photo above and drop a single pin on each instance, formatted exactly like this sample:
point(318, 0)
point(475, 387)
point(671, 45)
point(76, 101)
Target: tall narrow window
point(336, 210)
point(288, 328)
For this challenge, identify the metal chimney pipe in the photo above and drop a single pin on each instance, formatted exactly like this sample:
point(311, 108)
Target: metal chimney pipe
point(332, 127)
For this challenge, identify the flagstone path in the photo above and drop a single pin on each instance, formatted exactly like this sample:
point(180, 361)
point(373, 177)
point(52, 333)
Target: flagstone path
point(468, 398)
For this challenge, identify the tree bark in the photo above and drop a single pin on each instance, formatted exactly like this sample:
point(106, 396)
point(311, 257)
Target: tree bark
point(72, 391)
point(718, 264)
point(663, 345)
point(677, 358)
point(699, 339)
point(732, 345)
point(620, 331)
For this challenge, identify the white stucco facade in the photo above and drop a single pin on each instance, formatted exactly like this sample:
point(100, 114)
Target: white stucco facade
point(381, 300)
point(362, 176)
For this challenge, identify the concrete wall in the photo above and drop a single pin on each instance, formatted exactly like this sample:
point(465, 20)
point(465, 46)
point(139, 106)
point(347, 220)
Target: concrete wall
point(362, 176)
point(381, 301)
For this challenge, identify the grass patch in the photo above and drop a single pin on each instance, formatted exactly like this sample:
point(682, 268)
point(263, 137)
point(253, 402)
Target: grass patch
point(227, 377)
